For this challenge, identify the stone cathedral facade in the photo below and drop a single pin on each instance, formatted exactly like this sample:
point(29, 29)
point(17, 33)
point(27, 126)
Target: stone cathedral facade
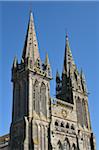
point(40, 122)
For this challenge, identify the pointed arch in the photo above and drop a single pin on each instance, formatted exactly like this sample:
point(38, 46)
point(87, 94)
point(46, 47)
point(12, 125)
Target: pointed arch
point(62, 124)
point(56, 123)
point(43, 98)
point(85, 120)
point(79, 111)
point(67, 125)
point(24, 97)
point(66, 144)
point(17, 100)
point(36, 97)
point(74, 147)
point(59, 145)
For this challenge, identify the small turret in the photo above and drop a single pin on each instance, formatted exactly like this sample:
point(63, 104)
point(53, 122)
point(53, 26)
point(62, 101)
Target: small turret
point(58, 85)
point(83, 81)
point(46, 66)
point(47, 60)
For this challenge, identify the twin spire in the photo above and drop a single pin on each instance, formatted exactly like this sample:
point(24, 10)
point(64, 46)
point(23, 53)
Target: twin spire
point(68, 59)
point(30, 56)
point(31, 44)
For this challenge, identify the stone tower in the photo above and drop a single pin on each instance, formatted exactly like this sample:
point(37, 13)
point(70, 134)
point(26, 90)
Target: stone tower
point(38, 121)
point(70, 126)
point(31, 99)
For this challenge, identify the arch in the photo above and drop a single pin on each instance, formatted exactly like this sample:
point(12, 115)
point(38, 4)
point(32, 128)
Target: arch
point(16, 101)
point(56, 123)
point(67, 125)
point(66, 145)
point(72, 127)
point(85, 120)
point(73, 147)
point(43, 98)
point(79, 111)
point(36, 97)
point(59, 144)
point(62, 124)
point(24, 97)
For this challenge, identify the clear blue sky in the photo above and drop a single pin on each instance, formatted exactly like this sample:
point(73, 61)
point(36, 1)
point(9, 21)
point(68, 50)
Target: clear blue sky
point(81, 19)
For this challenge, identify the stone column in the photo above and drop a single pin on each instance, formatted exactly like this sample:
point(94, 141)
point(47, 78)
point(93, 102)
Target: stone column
point(39, 142)
point(42, 127)
point(26, 141)
point(46, 138)
point(30, 100)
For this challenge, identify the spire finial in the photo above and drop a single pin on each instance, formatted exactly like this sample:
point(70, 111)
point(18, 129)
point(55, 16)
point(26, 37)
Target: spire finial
point(66, 32)
point(47, 59)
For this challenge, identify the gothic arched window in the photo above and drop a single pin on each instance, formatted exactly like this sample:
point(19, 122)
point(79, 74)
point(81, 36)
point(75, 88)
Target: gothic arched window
point(62, 124)
point(85, 121)
point(66, 145)
point(43, 99)
point(60, 147)
point(36, 97)
point(72, 127)
point(24, 97)
point(79, 111)
point(56, 123)
point(67, 125)
point(73, 147)
point(17, 101)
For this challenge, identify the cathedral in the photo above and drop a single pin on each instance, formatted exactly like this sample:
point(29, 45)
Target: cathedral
point(40, 122)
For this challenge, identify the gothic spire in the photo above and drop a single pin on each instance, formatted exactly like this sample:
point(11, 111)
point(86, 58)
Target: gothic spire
point(47, 60)
point(31, 45)
point(68, 59)
point(83, 81)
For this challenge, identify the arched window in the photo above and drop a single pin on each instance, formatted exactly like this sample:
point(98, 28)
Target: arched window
point(56, 123)
point(67, 125)
point(79, 111)
point(60, 147)
point(16, 101)
point(72, 127)
point(85, 121)
point(37, 97)
point(43, 99)
point(66, 145)
point(24, 97)
point(73, 147)
point(62, 124)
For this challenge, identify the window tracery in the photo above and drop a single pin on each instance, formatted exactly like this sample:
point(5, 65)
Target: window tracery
point(43, 98)
point(36, 96)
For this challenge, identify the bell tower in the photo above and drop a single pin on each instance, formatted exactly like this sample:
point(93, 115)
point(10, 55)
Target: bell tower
point(72, 100)
point(31, 97)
